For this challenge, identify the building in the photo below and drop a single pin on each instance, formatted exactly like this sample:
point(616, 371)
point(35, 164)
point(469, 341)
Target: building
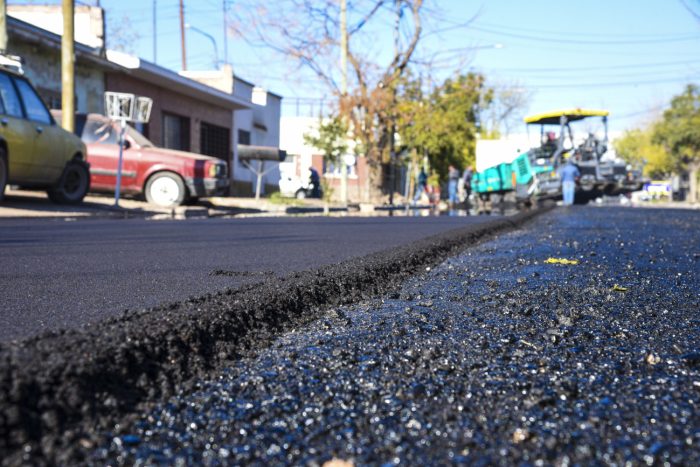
point(208, 112)
point(41, 50)
point(301, 156)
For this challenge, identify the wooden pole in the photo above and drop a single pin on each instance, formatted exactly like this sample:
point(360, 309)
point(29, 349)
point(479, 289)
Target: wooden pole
point(182, 35)
point(68, 68)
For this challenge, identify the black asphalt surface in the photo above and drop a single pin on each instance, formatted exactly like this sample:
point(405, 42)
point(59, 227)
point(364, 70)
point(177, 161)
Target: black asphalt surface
point(57, 274)
point(61, 390)
point(494, 357)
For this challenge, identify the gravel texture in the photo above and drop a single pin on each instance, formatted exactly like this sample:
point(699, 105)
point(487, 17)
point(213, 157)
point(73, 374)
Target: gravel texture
point(494, 357)
point(60, 391)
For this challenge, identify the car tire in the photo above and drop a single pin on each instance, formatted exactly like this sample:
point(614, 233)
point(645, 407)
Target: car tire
point(3, 173)
point(73, 184)
point(300, 194)
point(165, 189)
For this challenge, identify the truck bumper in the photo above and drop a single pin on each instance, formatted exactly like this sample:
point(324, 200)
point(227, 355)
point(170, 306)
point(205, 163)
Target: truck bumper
point(204, 187)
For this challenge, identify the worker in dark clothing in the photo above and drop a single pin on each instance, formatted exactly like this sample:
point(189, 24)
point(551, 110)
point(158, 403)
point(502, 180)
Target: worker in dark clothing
point(314, 183)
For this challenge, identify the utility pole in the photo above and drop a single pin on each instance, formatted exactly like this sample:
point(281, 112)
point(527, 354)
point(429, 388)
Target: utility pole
point(68, 68)
point(182, 36)
point(225, 60)
point(3, 25)
point(344, 92)
point(155, 33)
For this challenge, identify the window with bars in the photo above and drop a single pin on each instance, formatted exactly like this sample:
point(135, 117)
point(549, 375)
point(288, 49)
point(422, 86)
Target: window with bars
point(214, 140)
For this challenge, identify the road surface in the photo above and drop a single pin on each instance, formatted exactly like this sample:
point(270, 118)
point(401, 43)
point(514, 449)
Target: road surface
point(58, 274)
point(503, 355)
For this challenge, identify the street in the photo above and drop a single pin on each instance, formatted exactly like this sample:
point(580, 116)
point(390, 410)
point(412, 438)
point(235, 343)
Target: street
point(571, 340)
point(494, 357)
point(58, 274)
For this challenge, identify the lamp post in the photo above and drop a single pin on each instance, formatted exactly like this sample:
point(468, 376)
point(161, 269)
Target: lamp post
point(211, 38)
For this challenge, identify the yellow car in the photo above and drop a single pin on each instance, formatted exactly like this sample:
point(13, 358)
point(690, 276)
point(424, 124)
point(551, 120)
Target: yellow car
point(34, 151)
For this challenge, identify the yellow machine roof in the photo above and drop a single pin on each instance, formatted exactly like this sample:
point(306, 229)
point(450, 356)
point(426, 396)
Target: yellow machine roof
point(571, 115)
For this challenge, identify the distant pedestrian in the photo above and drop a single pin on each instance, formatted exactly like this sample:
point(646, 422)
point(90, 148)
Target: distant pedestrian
point(467, 177)
point(452, 181)
point(421, 184)
point(314, 183)
point(569, 173)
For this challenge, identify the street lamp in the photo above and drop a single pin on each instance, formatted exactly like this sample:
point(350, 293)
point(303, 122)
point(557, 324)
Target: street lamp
point(211, 38)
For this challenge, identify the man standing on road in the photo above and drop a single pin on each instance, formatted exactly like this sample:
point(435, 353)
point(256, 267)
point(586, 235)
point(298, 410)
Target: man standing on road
point(453, 178)
point(569, 173)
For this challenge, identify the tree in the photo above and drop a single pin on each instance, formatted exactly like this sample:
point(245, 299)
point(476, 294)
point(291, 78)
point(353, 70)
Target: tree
point(444, 124)
point(636, 147)
point(331, 139)
point(122, 35)
point(679, 133)
point(309, 33)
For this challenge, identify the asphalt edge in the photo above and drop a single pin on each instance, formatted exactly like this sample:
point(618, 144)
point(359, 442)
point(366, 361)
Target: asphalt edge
point(57, 389)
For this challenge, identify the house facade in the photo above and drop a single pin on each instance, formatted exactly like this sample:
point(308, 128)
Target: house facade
point(301, 156)
point(208, 112)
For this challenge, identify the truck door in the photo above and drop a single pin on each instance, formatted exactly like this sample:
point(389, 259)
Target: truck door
point(17, 132)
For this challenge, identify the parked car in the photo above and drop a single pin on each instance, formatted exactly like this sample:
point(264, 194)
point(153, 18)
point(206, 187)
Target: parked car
point(165, 177)
point(34, 151)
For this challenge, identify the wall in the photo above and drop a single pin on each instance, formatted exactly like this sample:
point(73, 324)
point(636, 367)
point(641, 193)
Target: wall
point(88, 21)
point(43, 68)
point(292, 141)
point(165, 100)
point(263, 123)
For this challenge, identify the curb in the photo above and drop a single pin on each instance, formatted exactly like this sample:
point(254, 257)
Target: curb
point(59, 390)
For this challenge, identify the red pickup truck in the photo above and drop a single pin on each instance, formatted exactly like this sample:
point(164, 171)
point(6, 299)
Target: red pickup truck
point(164, 176)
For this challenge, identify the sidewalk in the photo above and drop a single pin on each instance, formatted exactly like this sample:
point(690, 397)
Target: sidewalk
point(35, 204)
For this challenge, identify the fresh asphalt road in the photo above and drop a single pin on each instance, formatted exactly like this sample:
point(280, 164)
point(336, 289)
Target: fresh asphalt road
point(58, 274)
point(495, 357)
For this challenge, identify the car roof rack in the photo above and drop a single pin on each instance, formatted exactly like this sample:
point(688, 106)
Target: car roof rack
point(11, 62)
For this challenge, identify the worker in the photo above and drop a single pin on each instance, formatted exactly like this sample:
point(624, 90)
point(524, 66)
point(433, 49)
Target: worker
point(453, 178)
point(569, 174)
point(421, 183)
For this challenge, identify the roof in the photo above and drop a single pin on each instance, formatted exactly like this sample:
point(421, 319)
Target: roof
point(18, 29)
point(158, 75)
point(554, 116)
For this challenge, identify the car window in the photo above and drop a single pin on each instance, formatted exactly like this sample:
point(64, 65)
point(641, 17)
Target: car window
point(100, 131)
point(8, 95)
point(33, 105)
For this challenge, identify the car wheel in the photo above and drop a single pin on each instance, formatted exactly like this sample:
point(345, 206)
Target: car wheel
point(73, 185)
point(300, 194)
point(165, 189)
point(3, 173)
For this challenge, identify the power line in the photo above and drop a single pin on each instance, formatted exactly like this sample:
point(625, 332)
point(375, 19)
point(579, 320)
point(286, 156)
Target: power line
point(595, 68)
point(585, 42)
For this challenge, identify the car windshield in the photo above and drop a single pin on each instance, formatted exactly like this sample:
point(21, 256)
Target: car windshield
point(104, 131)
point(139, 138)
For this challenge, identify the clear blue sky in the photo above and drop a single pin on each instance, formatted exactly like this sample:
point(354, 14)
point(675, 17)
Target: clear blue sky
point(628, 56)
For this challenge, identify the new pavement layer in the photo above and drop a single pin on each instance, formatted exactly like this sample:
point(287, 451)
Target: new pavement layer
point(573, 342)
point(58, 275)
point(59, 390)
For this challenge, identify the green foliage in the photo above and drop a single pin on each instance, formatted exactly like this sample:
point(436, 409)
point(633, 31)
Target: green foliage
point(637, 148)
point(443, 124)
point(331, 138)
point(679, 129)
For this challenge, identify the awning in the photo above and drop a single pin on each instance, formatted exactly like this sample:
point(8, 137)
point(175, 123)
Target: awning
point(260, 153)
point(571, 115)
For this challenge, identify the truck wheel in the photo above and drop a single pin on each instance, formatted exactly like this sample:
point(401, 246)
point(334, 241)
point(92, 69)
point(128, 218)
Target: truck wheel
point(300, 194)
point(3, 173)
point(73, 185)
point(165, 189)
